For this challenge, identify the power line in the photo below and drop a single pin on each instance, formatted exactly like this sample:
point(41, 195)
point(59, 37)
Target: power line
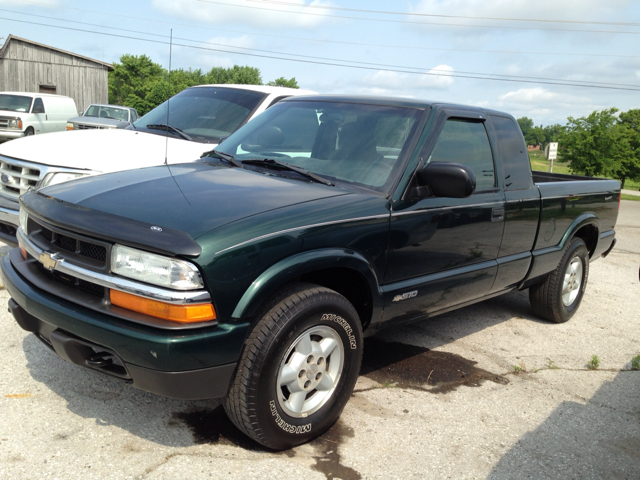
point(495, 27)
point(415, 14)
point(349, 65)
point(406, 47)
point(417, 69)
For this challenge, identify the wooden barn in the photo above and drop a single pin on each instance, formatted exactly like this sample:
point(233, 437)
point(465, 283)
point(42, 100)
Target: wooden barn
point(27, 66)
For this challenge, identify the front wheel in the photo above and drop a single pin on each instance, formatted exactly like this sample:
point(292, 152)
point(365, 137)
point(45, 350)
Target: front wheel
point(559, 296)
point(28, 132)
point(298, 368)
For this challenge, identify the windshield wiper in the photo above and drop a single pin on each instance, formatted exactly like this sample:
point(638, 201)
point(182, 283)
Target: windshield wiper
point(169, 128)
point(272, 163)
point(222, 156)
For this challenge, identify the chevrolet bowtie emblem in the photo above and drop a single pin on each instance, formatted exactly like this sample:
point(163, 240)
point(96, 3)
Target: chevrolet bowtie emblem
point(49, 260)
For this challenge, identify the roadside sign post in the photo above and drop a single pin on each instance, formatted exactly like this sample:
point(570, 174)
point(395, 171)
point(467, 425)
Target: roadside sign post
point(551, 152)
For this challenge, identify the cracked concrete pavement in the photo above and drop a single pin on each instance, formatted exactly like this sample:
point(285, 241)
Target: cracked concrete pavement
point(555, 419)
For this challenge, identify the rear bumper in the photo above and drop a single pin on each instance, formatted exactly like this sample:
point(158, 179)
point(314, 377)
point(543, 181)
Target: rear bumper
point(194, 364)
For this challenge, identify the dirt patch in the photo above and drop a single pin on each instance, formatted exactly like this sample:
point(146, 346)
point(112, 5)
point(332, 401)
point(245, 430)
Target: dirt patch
point(394, 364)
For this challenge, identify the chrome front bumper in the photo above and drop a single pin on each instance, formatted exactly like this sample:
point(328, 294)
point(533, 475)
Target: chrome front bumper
point(57, 263)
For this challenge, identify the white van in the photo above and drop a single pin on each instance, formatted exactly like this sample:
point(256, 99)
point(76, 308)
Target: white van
point(23, 114)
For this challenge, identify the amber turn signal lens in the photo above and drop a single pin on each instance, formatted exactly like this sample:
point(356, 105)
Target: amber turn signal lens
point(23, 252)
point(201, 312)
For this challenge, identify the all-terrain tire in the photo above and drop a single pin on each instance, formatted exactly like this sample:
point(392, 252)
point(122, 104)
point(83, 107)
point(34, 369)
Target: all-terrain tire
point(292, 332)
point(559, 296)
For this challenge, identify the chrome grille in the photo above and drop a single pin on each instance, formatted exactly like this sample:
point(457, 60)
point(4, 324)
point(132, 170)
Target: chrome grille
point(87, 127)
point(16, 179)
point(57, 241)
point(4, 122)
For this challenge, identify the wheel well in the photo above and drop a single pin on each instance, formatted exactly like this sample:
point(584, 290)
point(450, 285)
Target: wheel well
point(348, 283)
point(589, 235)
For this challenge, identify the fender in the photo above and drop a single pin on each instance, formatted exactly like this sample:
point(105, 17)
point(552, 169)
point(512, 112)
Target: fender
point(289, 268)
point(547, 259)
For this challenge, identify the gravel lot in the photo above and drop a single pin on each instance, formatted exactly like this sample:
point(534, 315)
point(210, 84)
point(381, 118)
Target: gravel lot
point(442, 400)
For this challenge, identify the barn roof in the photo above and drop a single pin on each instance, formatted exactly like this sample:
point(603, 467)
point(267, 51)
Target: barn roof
point(13, 37)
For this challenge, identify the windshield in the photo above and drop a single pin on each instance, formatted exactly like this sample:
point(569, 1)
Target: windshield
point(103, 111)
point(204, 113)
point(350, 143)
point(15, 103)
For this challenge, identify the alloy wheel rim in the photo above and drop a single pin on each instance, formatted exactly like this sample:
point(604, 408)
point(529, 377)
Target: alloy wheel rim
point(572, 281)
point(310, 371)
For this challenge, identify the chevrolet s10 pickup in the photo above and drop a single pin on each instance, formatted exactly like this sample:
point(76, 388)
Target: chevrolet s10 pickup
point(254, 273)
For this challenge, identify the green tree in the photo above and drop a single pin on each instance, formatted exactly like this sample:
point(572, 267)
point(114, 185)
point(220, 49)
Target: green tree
point(283, 82)
point(132, 80)
point(552, 133)
point(239, 75)
point(630, 164)
point(536, 136)
point(140, 83)
point(595, 145)
point(528, 131)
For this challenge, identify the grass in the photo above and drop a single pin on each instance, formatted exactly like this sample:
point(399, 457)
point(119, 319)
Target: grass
point(594, 363)
point(551, 365)
point(540, 163)
point(635, 363)
point(626, 196)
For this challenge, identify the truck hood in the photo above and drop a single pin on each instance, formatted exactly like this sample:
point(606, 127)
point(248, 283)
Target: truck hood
point(99, 122)
point(103, 151)
point(193, 198)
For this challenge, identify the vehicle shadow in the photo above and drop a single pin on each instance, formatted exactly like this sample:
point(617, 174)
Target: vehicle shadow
point(586, 441)
point(178, 423)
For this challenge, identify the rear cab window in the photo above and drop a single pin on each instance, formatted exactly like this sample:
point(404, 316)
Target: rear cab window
point(513, 152)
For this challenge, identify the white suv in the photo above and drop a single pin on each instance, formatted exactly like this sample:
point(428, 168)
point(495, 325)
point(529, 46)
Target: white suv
point(179, 130)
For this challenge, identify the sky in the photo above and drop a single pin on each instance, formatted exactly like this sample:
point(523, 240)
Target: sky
point(540, 55)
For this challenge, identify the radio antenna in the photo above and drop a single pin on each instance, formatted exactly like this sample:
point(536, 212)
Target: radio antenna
point(166, 139)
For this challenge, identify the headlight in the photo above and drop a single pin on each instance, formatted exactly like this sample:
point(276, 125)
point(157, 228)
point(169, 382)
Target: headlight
point(23, 217)
point(58, 177)
point(69, 126)
point(15, 123)
point(155, 269)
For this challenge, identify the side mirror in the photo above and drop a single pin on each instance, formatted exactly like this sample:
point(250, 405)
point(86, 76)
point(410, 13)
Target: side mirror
point(445, 179)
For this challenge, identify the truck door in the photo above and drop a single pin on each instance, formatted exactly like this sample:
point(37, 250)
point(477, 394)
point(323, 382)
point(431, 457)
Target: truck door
point(443, 251)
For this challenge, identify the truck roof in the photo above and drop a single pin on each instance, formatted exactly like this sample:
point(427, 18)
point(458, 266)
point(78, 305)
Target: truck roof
point(392, 101)
point(262, 88)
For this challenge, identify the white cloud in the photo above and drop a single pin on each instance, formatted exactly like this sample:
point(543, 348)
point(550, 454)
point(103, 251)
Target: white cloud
point(437, 78)
point(585, 10)
point(543, 105)
point(255, 14)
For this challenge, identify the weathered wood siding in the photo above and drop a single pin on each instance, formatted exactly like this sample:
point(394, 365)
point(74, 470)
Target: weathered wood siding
point(25, 67)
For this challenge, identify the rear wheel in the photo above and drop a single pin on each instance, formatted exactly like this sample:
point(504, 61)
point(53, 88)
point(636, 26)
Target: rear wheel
point(298, 369)
point(559, 296)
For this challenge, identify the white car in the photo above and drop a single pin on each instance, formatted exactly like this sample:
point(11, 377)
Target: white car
point(24, 114)
point(179, 130)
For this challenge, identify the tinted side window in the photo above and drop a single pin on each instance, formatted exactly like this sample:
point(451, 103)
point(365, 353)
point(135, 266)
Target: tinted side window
point(38, 106)
point(515, 159)
point(465, 141)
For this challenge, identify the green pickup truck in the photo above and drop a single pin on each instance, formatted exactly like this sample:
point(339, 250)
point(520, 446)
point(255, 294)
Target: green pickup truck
point(254, 273)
